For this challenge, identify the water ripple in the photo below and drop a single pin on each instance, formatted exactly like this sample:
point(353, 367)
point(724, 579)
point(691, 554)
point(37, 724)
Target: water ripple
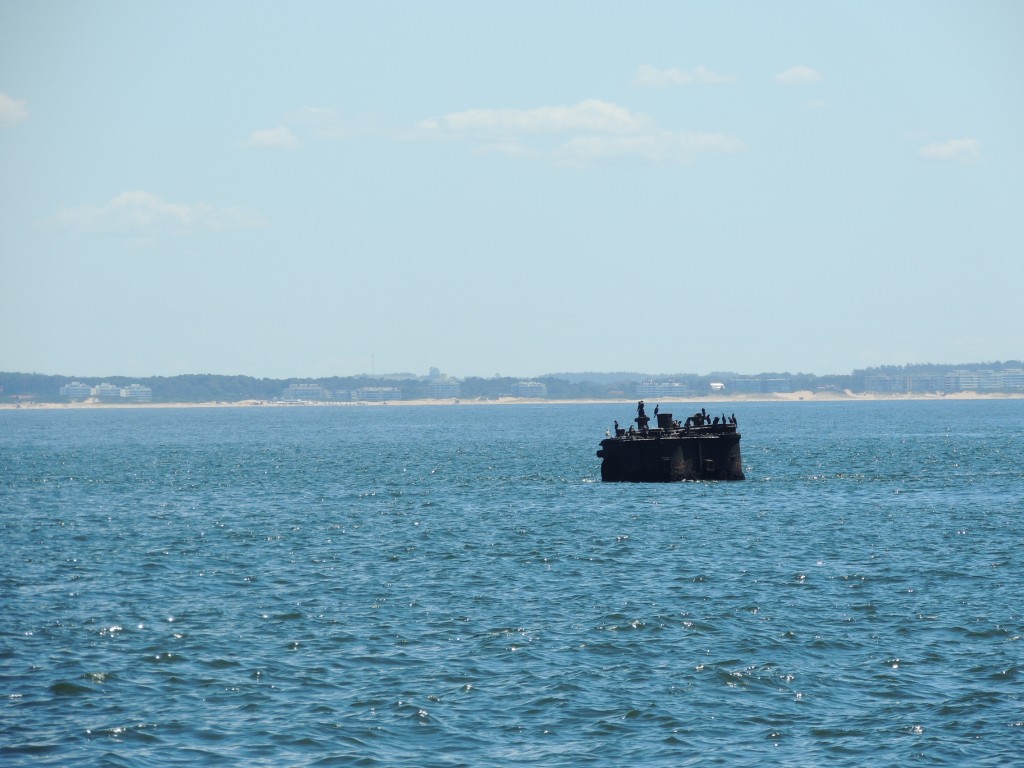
point(450, 586)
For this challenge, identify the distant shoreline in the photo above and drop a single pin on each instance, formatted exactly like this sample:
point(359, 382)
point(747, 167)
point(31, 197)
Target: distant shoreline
point(778, 397)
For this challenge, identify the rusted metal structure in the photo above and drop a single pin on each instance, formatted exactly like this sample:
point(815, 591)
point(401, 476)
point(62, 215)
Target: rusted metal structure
point(701, 448)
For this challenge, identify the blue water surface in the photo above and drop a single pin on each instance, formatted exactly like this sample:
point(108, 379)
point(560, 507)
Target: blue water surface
point(454, 586)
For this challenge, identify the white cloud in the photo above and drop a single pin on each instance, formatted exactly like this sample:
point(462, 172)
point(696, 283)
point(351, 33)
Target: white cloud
point(595, 130)
point(588, 130)
point(651, 77)
point(799, 76)
point(273, 138)
point(144, 214)
point(325, 123)
point(665, 147)
point(510, 148)
point(591, 115)
point(954, 149)
point(308, 122)
point(12, 110)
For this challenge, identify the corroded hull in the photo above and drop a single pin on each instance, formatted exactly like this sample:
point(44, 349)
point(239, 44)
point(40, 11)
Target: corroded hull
point(652, 457)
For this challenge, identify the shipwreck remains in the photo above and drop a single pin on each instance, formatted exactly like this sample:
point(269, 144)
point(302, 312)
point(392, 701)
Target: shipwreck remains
point(701, 448)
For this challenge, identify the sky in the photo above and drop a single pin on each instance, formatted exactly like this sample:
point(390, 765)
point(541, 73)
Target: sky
point(310, 189)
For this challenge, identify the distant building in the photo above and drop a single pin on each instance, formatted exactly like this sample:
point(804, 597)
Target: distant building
point(106, 392)
point(885, 383)
point(76, 390)
point(961, 380)
point(306, 391)
point(775, 384)
point(443, 389)
point(924, 383)
point(746, 385)
point(991, 381)
point(666, 390)
point(376, 394)
point(1013, 378)
point(529, 389)
point(759, 384)
point(137, 392)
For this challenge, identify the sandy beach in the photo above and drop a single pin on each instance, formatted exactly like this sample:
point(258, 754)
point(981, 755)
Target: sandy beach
point(805, 396)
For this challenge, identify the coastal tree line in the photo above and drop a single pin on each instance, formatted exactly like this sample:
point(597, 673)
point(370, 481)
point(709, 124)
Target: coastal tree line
point(197, 388)
point(911, 369)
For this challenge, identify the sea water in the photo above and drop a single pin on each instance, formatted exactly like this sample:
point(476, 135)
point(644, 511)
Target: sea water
point(454, 586)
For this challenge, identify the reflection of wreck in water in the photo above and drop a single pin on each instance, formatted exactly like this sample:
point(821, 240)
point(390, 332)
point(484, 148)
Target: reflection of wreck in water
point(701, 448)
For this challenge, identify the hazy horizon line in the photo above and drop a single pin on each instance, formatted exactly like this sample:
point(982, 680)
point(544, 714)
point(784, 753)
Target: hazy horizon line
point(553, 374)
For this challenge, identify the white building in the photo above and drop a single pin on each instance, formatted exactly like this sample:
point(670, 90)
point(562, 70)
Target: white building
point(958, 381)
point(443, 389)
point(106, 391)
point(377, 394)
point(307, 391)
point(137, 392)
point(1013, 378)
point(666, 390)
point(76, 390)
